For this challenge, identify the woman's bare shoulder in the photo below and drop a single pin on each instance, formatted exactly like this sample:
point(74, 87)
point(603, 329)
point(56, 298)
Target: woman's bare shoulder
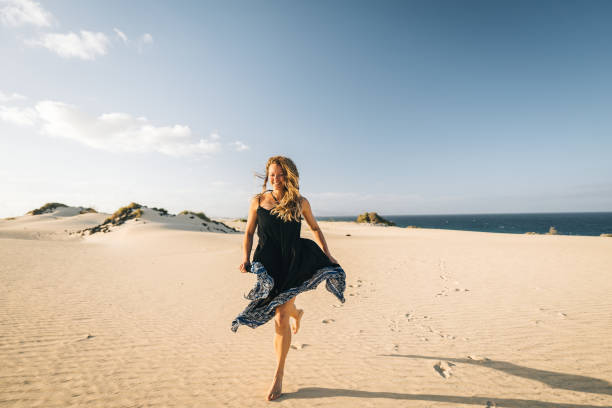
point(304, 203)
point(255, 200)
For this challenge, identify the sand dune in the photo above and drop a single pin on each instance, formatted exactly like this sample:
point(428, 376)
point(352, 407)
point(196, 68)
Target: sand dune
point(64, 223)
point(141, 316)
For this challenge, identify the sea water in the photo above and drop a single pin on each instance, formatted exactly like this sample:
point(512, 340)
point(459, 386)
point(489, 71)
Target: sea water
point(589, 223)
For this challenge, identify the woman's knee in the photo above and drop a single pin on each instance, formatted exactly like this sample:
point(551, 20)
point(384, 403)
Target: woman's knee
point(281, 317)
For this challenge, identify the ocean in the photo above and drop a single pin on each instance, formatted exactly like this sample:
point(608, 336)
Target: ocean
point(586, 223)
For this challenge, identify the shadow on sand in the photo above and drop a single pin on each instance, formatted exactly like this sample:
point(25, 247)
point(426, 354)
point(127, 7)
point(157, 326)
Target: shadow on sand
point(317, 392)
point(570, 382)
point(563, 381)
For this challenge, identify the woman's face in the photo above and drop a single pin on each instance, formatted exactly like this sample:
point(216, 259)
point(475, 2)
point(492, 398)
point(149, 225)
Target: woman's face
point(276, 176)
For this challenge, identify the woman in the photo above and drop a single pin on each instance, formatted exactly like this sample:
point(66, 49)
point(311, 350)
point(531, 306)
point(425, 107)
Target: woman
point(284, 263)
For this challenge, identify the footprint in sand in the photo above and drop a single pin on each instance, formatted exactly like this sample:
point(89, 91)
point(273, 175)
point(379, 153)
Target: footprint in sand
point(89, 336)
point(444, 368)
point(394, 325)
point(444, 292)
point(559, 314)
point(327, 320)
point(444, 336)
point(477, 358)
point(299, 346)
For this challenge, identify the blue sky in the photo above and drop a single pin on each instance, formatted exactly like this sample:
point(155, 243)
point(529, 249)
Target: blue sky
point(407, 107)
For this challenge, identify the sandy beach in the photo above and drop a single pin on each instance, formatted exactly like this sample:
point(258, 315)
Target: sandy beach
point(141, 316)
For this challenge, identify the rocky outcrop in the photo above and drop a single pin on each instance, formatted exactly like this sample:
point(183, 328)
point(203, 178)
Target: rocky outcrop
point(373, 218)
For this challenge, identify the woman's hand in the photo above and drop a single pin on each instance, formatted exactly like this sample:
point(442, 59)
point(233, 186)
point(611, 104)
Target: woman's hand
point(332, 259)
point(245, 267)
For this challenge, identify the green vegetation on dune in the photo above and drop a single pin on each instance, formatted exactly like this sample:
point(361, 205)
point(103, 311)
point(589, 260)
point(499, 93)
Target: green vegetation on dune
point(120, 216)
point(124, 213)
point(161, 211)
point(205, 218)
point(49, 207)
point(200, 215)
point(87, 210)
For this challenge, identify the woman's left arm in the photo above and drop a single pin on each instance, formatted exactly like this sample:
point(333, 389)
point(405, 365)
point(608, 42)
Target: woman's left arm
point(316, 230)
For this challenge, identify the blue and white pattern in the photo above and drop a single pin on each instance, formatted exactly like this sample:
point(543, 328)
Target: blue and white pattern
point(255, 317)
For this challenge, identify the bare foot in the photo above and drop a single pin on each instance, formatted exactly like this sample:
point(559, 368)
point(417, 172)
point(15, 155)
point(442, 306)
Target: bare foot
point(276, 388)
point(295, 326)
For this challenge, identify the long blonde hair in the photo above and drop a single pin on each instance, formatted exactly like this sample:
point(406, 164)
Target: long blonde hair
point(290, 206)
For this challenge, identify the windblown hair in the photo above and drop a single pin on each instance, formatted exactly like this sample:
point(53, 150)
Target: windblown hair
point(290, 206)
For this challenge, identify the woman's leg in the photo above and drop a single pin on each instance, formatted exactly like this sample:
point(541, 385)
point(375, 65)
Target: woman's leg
point(297, 316)
point(282, 341)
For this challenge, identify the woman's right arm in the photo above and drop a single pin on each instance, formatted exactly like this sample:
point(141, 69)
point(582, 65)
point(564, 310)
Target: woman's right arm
point(247, 243)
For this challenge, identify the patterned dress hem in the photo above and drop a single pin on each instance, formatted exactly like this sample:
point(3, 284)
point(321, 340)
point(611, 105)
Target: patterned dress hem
point(253, 317)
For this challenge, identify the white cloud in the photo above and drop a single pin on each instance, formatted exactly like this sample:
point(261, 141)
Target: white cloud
point(239, 146)
point(121, 35)
point(18, 116)
point(119, 132)
point(143, 41)
point(12, 97)
point(87, 45)
point(146, 38)
point(116, 132)
point(19, 12)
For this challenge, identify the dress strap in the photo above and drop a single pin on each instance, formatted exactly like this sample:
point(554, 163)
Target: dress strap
point(272, 193)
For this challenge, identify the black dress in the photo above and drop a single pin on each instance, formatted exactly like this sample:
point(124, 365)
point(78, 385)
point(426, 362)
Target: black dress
point(285, 265)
